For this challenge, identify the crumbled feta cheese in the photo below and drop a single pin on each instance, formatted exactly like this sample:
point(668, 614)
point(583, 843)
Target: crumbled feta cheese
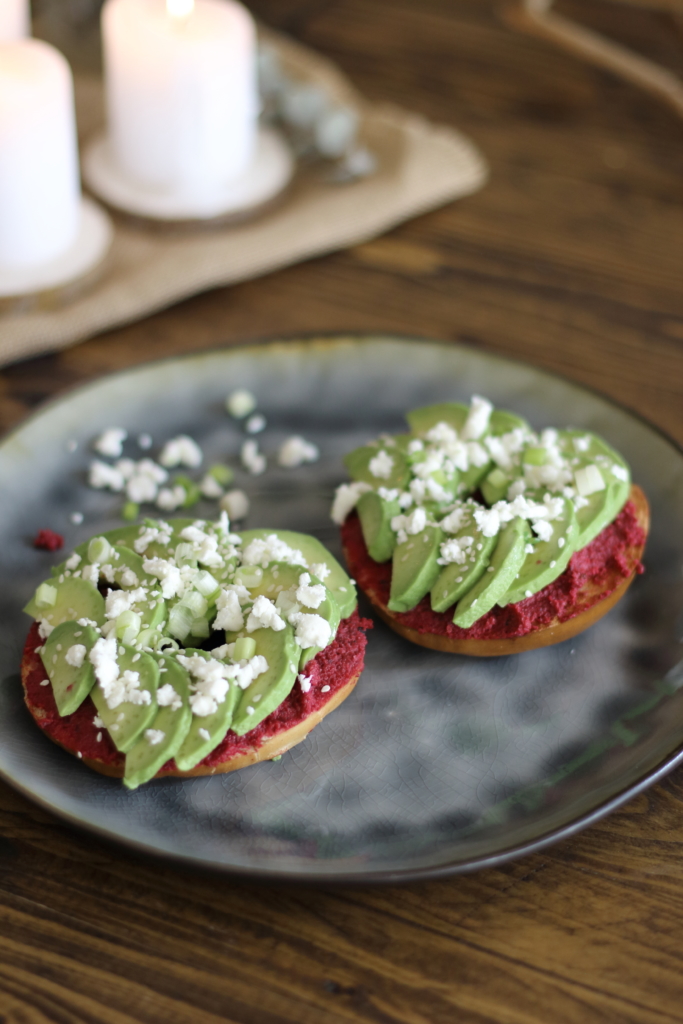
point(159, 534)
point(478, 418)
point(311, 630)
point(542, 529)
point(588, 480)
point(346, 498)
point(97, 722)
point(73, 561)
point(240, 403)
point(154, 737)
point(381, 465)
point(255, 424)
point(141, 488)
point(456, 519)
point(309, 596)
point(264, 615)
point(44, 628)
point(210, 487)
point(620, 472)
point(388, 493)
point(409, 525)
point(210, 683)
point(455, 550)
point(236, 504)
point(582, 444)
point(181, 451)
point(171, 498)
point(304, 682)
point(253, 460)
point(262, 551)
point(91, 573)
point(167, 697)
point(101, 475)
point(75, 656)
point(321, 570)
point(167, 573)
point(110, 442)
point(296, 451)
point(415, 446)
point(488, 521)
point(229, 612)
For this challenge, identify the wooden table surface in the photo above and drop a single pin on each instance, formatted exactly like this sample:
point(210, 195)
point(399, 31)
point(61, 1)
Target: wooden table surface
point(571, 258)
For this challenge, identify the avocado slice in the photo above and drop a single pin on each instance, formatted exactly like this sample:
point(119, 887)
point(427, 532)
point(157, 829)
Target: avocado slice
point(506, 561)
point(338, 583)
point(144, 759)
point(456, 579)
point(206, 731)
point(375, 516)
point(414, 568)
point(126, 723)
point(70, 684)
point(548, 560)
point(268, 691)
point(76, 599)
point(358, 464)
point(423, 419)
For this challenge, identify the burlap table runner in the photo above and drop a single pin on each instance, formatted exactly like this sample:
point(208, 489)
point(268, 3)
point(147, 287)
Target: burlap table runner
point(420, 166)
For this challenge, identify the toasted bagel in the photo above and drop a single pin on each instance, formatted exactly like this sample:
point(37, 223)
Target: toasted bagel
point(596, 594)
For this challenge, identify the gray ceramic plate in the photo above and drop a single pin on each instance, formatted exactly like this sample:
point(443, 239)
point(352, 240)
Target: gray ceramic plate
point(436, 763)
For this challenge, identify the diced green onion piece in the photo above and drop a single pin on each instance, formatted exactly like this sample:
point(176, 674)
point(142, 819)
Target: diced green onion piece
point(195, 602)
point(130, 511)
point(249, 575)
point(206, 584)
point(180, 621)
point(99, 550)
point(200, 627)
point(192, 492)
point(148, 638)
point(184, 555)
point(128, 625)
point(245, 648)
point(167, 644)
point(223, 475)
point(497, 478)
point(535, 456)
point(46, 595)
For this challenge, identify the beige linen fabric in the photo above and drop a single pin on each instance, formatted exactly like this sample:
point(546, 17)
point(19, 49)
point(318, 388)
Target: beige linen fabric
point(421, 166)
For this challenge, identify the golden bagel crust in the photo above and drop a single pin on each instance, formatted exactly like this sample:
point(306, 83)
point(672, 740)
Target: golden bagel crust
point(270, 748)
point(554, 632)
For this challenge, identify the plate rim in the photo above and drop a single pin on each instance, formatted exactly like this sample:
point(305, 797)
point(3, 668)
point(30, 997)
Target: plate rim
point(341, 878)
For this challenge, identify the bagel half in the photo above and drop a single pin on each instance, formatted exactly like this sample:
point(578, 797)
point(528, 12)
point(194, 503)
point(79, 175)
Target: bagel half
point(338, 667)
point(596, 578)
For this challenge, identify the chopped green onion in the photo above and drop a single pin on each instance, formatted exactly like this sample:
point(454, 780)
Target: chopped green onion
point(497, 478)
point(128, 625)
point(195, 603)
point(180, 621)
point(249, 575)
point(200, 628)
point(192, 492)
point(535, 456)
point(46, 595)
point(245, 648)
point(130, 511)
point(99, 550)
point(207, 585)
point(223, 475)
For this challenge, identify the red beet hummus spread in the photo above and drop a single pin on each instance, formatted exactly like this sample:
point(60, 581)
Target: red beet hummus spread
point(603, 559)
point(332, 667)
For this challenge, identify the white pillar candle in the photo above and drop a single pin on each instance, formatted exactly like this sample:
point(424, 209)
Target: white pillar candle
point(39, 180)
point(181, 90)
point(14, 20)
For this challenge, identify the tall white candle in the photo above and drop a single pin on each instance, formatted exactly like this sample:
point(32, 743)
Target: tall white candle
point(39, 179)
point(14, 20)
point(181, 90)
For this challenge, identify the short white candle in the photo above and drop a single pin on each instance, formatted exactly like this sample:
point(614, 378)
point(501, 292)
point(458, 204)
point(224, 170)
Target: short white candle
point(181, 90)
point(14, 20)
point(39, 181)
